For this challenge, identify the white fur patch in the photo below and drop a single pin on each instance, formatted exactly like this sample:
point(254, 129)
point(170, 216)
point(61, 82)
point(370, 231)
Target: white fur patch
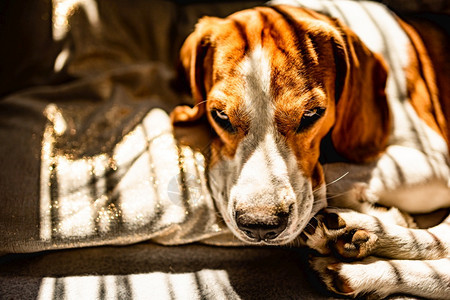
point(263, 176)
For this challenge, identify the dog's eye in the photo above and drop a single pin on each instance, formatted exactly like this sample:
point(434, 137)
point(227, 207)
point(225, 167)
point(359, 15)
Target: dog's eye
point(309, 118)
point(221, 118)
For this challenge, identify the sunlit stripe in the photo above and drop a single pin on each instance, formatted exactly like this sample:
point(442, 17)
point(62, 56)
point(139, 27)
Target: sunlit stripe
point(150, 286)
point(76, 288)
point(157, 285)
point(64, 9)
point(131, 146)
point(163, 150)
point(61, 59)
point(192, 180)
point(108, 288)
point(74, 209)
point(55, 126)
point(217, 283)
point(184, 286)
point(137, 197)
point(45, 196)
point(46, 289)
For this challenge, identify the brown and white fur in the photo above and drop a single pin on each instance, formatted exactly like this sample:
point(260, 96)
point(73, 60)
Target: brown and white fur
point(295, 100)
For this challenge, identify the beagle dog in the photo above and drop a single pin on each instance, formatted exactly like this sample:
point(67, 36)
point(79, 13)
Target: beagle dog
point(304, 115)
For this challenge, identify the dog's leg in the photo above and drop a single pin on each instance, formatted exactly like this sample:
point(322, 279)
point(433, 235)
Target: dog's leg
point(364, 185)
point(405, 178)
point(379, 277)
point(363, 229)
point(354, 235)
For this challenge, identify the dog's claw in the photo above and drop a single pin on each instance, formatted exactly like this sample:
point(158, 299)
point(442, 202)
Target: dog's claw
point(333, 221)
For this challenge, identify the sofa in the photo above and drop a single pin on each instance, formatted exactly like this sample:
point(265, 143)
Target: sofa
point(99, 198)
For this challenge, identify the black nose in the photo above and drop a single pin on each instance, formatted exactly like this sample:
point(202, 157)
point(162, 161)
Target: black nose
point(266, 228)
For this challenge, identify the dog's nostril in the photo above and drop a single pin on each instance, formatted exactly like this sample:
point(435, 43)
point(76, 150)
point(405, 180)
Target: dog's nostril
point(262, 229)
point(250, 233)
point(271, 235)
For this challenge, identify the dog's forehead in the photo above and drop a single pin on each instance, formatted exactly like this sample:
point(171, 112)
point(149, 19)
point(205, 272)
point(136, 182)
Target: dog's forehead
point(259, 51)
point(262, 83)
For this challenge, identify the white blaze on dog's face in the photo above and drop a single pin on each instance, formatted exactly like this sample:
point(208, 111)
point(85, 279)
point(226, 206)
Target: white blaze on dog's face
point(271, 183)
point(270, 86)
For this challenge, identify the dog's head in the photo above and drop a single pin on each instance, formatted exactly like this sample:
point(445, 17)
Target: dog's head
point(272, 83)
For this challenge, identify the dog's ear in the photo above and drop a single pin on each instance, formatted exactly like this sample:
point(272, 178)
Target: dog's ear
point(362, 124)
point(196, 64)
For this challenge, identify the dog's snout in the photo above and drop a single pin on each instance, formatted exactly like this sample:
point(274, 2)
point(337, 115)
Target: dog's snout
point(261, 228)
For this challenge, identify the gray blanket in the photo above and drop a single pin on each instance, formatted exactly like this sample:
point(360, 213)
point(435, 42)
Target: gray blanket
point(88, 158)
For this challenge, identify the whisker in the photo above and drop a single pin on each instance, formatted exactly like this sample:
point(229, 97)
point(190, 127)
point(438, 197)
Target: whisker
point(309, 223)
point(332, 182)
point(336, 180)
point(334, 207)
point(338, 195)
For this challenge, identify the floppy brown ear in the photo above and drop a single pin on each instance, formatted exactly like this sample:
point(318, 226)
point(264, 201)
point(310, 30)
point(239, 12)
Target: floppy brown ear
point(362, 124)
point(196, 66)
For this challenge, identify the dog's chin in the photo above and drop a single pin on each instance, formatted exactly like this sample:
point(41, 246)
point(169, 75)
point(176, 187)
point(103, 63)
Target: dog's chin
point(274, 242)
point(288, 236)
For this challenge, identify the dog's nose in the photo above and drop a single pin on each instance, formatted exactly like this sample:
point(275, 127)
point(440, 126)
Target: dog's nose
point(259, 229)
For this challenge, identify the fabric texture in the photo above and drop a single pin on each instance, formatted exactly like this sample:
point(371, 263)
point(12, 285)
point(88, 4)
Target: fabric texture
point(149, 271)
point(91, 160)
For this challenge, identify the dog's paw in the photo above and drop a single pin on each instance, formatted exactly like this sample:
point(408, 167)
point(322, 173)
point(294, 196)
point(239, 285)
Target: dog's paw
point(346, 233)
point(328, 269)
point(354, 279)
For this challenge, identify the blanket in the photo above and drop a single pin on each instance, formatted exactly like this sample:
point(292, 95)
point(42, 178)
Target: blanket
point(92, 160)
